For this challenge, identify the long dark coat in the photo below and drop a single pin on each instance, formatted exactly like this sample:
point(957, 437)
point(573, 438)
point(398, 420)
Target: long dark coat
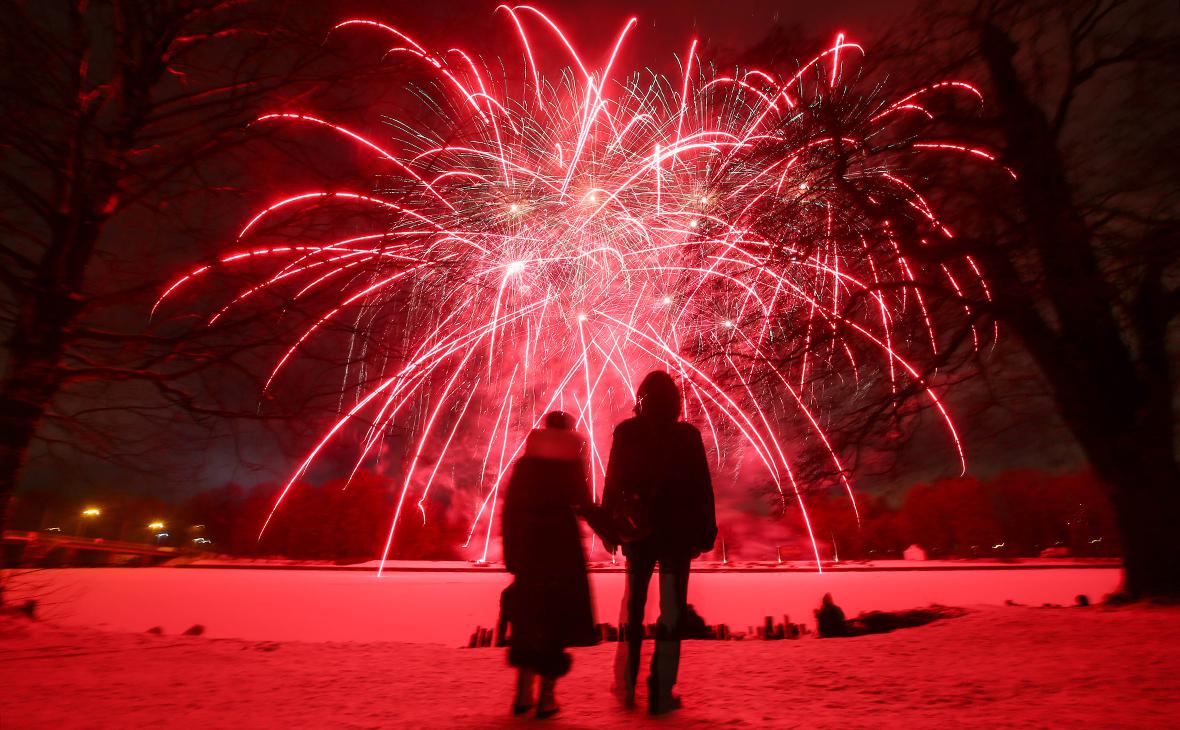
point(548, 603)
point(664, 462)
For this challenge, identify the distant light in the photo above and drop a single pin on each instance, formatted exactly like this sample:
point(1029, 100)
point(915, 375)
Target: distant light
point(667, 300)
point(515, 267)
point(156, 526)
point(514, 208)
point(162, 534)
point(58, 529)
point(803, 186)
point(727, 324)
point(704, 200)
point(694, 223)
point(91, 512)
point(202, 541)
point(581, 318)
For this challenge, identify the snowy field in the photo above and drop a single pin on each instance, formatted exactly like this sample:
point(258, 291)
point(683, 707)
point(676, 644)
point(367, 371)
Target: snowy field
point(445, 606)
point(997, 667)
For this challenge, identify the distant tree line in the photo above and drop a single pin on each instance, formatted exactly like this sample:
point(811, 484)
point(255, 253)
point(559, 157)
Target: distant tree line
point(330, 521)
point(1019, 513)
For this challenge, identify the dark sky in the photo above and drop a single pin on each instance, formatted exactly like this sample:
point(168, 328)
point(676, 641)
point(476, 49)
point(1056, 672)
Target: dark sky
point(665, 27)
point(195, 457)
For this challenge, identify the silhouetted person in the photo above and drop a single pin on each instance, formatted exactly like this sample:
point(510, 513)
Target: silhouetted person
point(692, 624)
point(548, 604)
point(829, 619)
point(658, 478)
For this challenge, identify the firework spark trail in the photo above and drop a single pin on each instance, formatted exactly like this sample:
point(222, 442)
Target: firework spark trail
point(550, 236)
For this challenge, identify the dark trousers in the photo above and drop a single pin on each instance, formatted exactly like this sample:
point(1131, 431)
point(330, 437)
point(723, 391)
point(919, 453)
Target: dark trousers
point(665, 662)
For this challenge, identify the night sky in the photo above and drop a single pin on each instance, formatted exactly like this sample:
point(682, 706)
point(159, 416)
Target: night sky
point(171, 457)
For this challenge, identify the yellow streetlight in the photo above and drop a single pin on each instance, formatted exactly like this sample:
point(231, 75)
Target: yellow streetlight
point(87, 516)
point(156, 526)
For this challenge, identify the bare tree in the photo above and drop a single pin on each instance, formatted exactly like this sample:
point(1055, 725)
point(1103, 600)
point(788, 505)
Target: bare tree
point(1096, 306)
point(113, 115)
point(1078, 245)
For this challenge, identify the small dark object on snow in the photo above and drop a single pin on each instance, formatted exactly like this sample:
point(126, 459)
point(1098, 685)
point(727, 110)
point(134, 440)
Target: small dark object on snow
point(880, 622)
point(692, 626)
point(156, 630)
point(793, 631)
point(1010, 602)
point(26, 609)
point(831, 622)
point(480, 638)
point(1083, 600)
point(771, 631)
point(829, 619)
point(194, 630)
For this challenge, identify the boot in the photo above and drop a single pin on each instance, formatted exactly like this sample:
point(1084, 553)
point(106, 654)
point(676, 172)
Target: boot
point(664, 665)
point(660, 701)
point(630, 678)
point(524, 691)
point(547, 704)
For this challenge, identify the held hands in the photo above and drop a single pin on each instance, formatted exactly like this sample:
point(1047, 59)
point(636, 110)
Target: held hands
point(599, 521)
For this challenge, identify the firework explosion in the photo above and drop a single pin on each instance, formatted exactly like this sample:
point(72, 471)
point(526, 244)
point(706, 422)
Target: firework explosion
point(548, 237)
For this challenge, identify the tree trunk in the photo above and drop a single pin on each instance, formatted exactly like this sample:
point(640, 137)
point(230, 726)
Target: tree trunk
point(36, 348)
point(1117, 406)
point(25, 394)
point(1147, 507)
point(1116, 424)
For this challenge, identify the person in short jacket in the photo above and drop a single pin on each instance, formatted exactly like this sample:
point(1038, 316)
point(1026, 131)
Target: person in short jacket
point(548, 604)
point(661, 459)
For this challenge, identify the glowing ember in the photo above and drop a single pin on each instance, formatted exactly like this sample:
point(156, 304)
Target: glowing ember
point(549, 237)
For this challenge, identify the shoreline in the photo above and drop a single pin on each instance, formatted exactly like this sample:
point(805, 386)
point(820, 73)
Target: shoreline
point(748, 567)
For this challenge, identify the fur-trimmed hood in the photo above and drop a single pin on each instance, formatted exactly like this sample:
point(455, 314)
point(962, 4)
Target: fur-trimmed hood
point(552, 443)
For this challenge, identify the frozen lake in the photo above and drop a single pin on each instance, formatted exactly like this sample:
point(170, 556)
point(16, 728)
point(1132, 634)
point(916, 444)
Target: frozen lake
point(445, 606)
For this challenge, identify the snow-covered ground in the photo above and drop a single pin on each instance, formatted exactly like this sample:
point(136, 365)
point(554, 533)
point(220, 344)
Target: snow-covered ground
point(996, 667)
point(445, 606)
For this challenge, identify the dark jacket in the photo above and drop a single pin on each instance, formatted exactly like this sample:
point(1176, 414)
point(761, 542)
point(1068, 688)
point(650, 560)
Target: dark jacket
point(548, 603)
point(665, 463)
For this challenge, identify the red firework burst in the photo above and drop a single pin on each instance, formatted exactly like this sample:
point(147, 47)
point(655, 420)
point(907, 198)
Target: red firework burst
point(549, 237)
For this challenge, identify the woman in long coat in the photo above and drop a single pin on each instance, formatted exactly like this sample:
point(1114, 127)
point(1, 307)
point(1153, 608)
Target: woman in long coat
point(548, 604)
